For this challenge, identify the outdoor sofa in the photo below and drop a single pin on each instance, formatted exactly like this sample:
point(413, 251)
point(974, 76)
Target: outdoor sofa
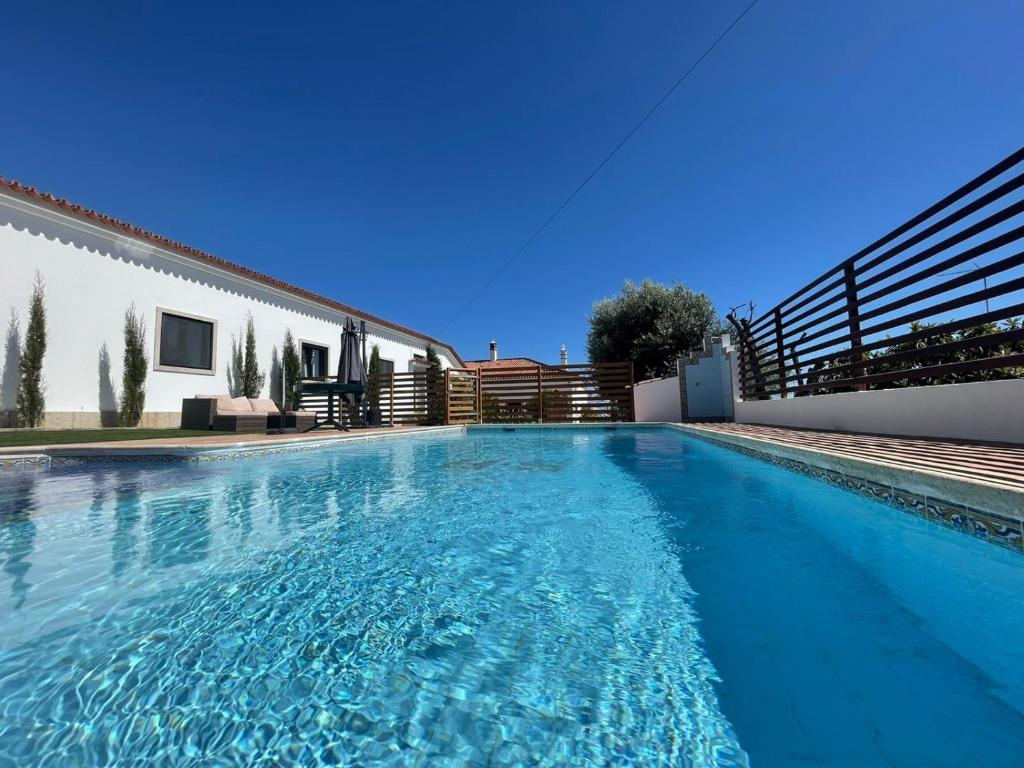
point(223, 413)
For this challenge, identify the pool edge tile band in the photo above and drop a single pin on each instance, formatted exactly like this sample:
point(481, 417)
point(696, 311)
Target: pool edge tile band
point(950, 502)
point(231, 452)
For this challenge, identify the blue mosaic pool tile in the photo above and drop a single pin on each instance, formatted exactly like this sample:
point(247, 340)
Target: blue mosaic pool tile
point(948, 513)
point(999, 530)
point(24, 461)
point(877, 491)
point(913, 503)
point(834, 478)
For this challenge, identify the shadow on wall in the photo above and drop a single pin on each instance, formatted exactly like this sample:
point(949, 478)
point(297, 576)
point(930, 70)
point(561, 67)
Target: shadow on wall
point(108, 397)
point(9, 379)
point(275, 375)
point(235, 365)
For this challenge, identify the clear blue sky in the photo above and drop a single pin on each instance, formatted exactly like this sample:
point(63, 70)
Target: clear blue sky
point(393, 156)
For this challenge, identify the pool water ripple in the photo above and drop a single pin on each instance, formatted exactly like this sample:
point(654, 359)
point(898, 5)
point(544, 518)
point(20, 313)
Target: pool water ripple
point(472, 601)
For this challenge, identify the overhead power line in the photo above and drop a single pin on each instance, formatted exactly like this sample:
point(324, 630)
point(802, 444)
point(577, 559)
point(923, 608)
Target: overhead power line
point(657, 105)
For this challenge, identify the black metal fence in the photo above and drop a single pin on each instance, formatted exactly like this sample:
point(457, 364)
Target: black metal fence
point(938, 300)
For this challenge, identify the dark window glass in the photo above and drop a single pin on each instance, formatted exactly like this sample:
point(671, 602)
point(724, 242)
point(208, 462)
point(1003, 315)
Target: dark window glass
point(185, 342)
point(314, 361)
point(387, 366)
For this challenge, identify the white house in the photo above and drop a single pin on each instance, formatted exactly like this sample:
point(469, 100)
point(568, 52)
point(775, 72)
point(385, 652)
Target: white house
point(195, 308)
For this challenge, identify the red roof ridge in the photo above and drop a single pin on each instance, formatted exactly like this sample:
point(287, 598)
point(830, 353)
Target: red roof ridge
point(508, 362)
point(165, 242)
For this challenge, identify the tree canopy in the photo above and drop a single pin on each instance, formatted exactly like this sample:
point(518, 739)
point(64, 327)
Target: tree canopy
point(650, 325)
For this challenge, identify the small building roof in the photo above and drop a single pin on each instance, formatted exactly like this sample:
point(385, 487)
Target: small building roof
point(506, 362)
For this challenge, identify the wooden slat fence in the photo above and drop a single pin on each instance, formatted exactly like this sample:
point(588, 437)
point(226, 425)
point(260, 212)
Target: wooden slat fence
point(937, 300)
point(413, 398)
point(551, 394)
point(463, 396)
point(528, 394)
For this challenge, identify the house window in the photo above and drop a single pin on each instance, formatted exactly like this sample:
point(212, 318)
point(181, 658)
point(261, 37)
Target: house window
point(184, 343)
point(387, 367)
point(314, 361)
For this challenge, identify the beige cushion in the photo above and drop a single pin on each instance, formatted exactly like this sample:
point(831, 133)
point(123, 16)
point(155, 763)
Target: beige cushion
point(233, 405)
point(263, 406)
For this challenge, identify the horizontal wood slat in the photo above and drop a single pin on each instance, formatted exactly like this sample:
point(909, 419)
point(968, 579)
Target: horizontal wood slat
point(937, 300)
point(523, 394)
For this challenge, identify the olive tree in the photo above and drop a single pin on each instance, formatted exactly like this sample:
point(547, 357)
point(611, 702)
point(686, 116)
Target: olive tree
point(650, 325)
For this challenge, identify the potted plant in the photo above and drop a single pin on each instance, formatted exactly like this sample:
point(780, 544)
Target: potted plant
point(373, 372)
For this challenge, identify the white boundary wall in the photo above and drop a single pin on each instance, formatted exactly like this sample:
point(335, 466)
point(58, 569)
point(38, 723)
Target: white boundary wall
point(92, 275)
point(981, 410)
point(657, 399)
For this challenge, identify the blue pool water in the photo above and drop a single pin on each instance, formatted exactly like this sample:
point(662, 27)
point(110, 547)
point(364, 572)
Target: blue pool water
point(539, 597)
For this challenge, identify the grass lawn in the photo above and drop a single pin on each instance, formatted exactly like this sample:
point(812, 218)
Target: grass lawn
point(63, 436)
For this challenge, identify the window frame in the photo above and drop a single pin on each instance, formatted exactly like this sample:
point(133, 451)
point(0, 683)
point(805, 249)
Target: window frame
point(417, 363)
point(386, 360)
point(302, 358)
point(158, 366)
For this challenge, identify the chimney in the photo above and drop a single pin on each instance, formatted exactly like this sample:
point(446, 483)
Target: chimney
point(494, 351)
point(565, 357)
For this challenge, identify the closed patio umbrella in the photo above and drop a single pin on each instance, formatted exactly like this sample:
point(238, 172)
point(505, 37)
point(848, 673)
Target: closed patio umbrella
point(350, 364)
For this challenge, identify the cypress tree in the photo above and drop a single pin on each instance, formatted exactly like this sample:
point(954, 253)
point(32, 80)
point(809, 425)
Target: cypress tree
point(133, 377)
point(31, 398)
point(252, 379)
point(292, 366)
point(373, 379)
point(436, 395)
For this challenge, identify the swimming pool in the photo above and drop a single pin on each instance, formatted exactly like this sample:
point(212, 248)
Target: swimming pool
point(539, 597)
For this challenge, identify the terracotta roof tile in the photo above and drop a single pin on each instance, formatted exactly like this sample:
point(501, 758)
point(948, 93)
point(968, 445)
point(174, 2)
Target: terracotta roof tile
point(506, 362)
point(110, 222)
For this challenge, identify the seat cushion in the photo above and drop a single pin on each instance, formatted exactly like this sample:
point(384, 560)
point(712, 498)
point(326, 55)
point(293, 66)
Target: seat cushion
point(233, 405)
point(263, 406)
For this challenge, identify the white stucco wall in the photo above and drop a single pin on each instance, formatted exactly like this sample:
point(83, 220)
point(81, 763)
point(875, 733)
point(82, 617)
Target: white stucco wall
point(709, 381)
point(92, 275)
point(981, 410)
point(709, 387)
point(657, 400)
